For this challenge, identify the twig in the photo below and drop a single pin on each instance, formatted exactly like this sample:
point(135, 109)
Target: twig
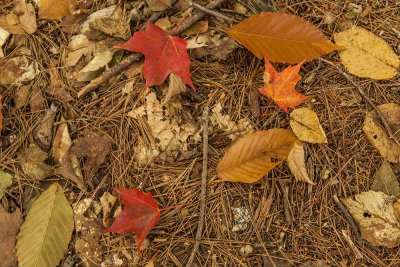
point(286, 205)
point(203, 192)
point(131, 59)
point(366, 98)
point(209, 11)
point(352, 223)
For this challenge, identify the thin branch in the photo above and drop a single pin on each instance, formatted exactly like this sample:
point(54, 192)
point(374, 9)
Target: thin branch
point(366, 98)
point(203, 192)
point(209, 11)
point(131, 59)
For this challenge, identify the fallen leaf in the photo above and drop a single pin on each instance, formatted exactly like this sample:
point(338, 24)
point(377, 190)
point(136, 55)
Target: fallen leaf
point(367, 55)
point(55, 9)
point(280, 86)
point(95, 67)
point(197, 28)
point(385, 180)
point(32, 163)
point(1, 114)
point(56, 88)
point(139, 216)
point(12, 69)
point(377, 135)
point(26, 95)
point(175, 87)
point(164, 54)
point(107, 201)
point(164, 23)
point(375, 215)
point(151, 262)
point(3, 38)
point(316, 263)
point(104, 27)
point(44, 132)
point(27, 19)
point(250, 158)
point(305, 125)
point(44, 236)
point(158, 5)
point(297, 165)
point(9, 229)
point(5, 182)
point(281, 37)
point(218, 50)
point(94, 147)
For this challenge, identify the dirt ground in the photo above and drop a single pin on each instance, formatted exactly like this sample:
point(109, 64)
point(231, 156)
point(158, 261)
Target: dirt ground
point(289, 223)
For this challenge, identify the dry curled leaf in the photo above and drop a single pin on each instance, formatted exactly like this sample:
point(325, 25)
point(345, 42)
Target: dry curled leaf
point(305, 125)
point(175, 87)
point(32, 163)
point(375, 215)
point(282, 37)
point(297, 165)
point(44, 132)
point(367, 55)
point(10, 223)
point(254, 155)
point(377, 134)
point(385, 180)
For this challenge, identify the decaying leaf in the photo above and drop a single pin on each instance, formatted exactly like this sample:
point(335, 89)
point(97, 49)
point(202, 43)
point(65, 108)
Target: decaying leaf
point(282, 37)
point(385, 180)
point(5, 182)
point(376, 218)
point(316, 263)
point(12, 69)
point(297, 165)
point(305, 125)
point(158, 5)
point(1, 114)
point(95, 67)
point(377, 135)
point(46, 232)
point(175, 87)
point(367, 55)
point(280, 86)
point(55, 9)
point(3, 38)
point(251, 157)
point(10, 224)
point(94, 146)
point(197, 28)
point(44, 132)
point(107, 201)
point(27, 19)
point(139, 216)
point(32, 163)
point(26, 95)
point(56, 88)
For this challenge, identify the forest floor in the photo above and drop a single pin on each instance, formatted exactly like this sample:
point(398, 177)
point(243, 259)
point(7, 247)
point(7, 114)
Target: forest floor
point(273, 222)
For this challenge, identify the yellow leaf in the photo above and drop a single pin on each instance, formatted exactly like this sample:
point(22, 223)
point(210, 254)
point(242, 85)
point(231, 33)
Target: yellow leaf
point(282, 38)
point(55, 9)
point(367, 55)
point(297, 164)
point(251, 157)
point(306, 126)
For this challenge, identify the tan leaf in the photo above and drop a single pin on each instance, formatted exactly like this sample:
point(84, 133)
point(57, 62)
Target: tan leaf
point(107, 201)
point(306, 126)
point(377, 134)
point(250, 158)
point(164, 23)
point(55, 9)
point(158, 5)
point(367, 55)
point(175, 87)
point(32, 163)
point(297, 165)
point(28, 18)
point(13, 68)
point(61, 144)
point(197, 28)
point(282, 38)
point(385, 180)
point(375, 215)
point(1, 113)
point(9, 229)
point(44, 132)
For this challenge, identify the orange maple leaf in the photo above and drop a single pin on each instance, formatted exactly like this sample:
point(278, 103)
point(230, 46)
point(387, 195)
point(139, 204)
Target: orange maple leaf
point(280, 86)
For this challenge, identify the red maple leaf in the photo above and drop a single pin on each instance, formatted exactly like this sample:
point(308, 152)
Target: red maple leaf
point(280, 86)
point(139, 216)
point(164, 54)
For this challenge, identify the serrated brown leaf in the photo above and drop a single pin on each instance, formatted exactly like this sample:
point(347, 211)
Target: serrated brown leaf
point(10, 223)
point(251, 157)
point(282, 38)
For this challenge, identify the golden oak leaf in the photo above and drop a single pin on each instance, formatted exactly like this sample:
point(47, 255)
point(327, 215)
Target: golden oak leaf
point(280, 86)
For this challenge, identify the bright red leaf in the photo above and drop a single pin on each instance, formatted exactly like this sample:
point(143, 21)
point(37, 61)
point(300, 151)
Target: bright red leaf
point(164, 54)
point(280, 86)
point(139, 216)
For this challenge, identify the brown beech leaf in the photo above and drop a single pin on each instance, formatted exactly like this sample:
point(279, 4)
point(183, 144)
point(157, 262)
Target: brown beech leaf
point(251, 157)
point(297, 165)
point(94, 146)
point(9, 229)
point(282, 38)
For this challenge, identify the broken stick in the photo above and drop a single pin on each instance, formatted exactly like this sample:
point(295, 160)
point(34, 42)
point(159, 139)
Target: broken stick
point(131, 59)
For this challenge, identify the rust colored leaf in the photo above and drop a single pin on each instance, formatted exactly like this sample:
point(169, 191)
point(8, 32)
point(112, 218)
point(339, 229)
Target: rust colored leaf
point(139, 216)
point(282, 37)
point(9, 229)
point(280, 86)
point(254, 155)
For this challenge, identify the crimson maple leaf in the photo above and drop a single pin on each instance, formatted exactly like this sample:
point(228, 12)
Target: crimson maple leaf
point(280, 86)
point(164, 54)
point(139, 216)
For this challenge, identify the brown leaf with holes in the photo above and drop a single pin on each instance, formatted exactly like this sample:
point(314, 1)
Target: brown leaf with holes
point(10, 223)
point(94, 146)
point(254, 155)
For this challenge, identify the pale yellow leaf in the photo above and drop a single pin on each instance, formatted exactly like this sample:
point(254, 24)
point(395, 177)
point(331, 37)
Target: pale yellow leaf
point(375, 215)
point(55, 9)
point(254, 155)
point(5, 182)
point(367, 55)
point(297, 165)
point(306, 126)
